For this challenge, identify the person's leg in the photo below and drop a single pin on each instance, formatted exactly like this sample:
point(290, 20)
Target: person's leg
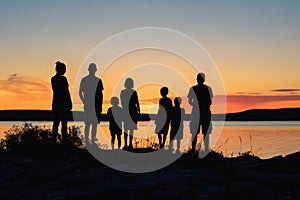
point(159, 140)
point(119, 140)
point(206, 143)
point(125, 138)
point(206, 129)
point(64, 125)
point(195, 128)
point(94, 131)
point(194, 142)
point(130, 139)
point(56, 120)
point(113, 136)
point(87, 131)
point(164, 139)
point(178, 145)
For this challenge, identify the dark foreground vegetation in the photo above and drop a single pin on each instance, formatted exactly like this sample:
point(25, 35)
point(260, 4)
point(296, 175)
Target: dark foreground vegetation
point(34, 167)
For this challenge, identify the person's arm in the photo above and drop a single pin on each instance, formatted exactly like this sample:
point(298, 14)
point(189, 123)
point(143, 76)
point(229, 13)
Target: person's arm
point(158, 115)
point(70, 106)
point(52, 84)
point(109, 114)
point(81, 92)
point(99, 95)
point(190, 96)
point(210, 93)
point(137, 103)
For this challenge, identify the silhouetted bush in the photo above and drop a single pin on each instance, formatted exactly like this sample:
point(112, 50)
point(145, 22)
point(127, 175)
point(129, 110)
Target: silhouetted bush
point(37, 141)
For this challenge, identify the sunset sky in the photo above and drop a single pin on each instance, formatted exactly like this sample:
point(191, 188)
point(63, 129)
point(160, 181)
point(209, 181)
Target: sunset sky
point(255, 45)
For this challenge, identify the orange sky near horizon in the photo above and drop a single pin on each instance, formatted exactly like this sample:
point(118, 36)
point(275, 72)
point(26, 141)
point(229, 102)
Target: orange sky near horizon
point(36, 93)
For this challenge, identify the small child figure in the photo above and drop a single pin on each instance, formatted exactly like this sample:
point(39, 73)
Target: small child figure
point(114, 114)
point(163, 117)
point(177, 123)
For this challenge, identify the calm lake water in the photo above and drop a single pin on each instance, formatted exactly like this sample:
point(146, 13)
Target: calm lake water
point(264, 139)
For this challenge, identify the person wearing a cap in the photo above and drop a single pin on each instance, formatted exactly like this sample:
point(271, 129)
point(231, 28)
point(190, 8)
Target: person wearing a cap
point(90, 93)
point(200, 98)
point(61, 102)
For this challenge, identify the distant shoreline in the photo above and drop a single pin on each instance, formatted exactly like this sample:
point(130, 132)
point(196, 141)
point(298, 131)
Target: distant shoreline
point(283, 114)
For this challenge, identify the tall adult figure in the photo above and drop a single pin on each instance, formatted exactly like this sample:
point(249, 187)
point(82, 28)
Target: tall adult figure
point(200, 98)
point(90, 93)
point(61, 102)
point(131, 110)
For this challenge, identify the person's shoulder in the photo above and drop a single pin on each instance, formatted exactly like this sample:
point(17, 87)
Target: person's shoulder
point(85, 78)
point(54, 77)
point(195, 86)
point(123, 91)
point(63, 78)
point(119, 108)
point(208, 87)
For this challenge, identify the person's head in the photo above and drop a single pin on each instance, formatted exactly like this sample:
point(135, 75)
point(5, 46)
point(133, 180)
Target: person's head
point(92, 68)
point(114, 101)
point(60, 68)
point(177, 101)
point(164, 91)
point(201, 78)
point(128, 83)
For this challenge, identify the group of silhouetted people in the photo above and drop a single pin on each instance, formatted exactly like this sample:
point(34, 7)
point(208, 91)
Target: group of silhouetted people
point(128, 113)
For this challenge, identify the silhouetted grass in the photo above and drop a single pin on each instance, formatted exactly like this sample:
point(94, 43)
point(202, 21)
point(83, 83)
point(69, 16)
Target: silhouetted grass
point(36, 141)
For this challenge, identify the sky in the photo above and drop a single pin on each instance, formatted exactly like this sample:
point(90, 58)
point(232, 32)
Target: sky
point(254, 44)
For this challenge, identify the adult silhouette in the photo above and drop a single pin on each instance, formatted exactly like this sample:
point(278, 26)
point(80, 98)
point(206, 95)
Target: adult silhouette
point(163, 117)
point(90, 93)
point(131, 110)
point(61, 102)
point(200, 98)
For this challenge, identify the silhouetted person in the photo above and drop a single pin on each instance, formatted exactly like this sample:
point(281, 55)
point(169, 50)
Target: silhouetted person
point(163, 117)
point(200, 98)
point(61, 103)
point(176, 132)
point(131, 108)
point(115, 118)
point(90, 93)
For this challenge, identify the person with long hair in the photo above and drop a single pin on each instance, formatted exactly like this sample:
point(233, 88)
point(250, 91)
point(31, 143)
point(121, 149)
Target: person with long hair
point(131, 111)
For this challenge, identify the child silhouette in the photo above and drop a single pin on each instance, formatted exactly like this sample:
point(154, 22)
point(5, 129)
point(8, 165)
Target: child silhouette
point(163, 117)
point(114, 114)
point(176, 132)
